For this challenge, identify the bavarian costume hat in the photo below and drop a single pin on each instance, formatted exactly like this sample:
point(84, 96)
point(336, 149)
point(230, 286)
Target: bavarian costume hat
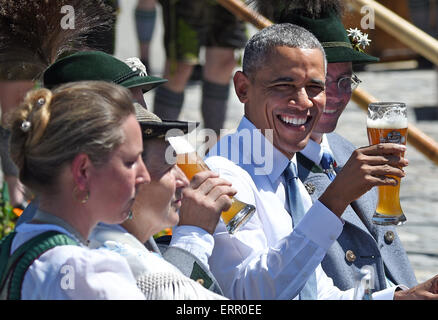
point(154, 127)
point(99, 66)
point(331, 33)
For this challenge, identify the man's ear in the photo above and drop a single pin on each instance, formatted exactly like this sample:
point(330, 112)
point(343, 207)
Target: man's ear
point(80, 168)
point(241, 85)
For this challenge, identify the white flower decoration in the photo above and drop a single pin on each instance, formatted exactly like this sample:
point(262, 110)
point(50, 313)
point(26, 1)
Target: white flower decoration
point(357, 39)
point(135, 64)
point(355, 33)
point(364, 41)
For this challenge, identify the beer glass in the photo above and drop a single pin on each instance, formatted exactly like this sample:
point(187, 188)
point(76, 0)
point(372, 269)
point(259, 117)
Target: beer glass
point(387, 123)
point(191, 163)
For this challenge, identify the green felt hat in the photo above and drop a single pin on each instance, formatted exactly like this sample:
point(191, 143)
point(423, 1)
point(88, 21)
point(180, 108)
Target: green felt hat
point(96, 65)
point(330, 31)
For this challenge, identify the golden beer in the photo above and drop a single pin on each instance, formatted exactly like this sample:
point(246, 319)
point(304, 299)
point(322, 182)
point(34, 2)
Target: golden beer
point(239, 212)
point(384, 125)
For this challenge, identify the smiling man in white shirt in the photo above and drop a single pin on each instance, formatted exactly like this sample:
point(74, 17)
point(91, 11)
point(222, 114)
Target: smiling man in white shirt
point(283, 88)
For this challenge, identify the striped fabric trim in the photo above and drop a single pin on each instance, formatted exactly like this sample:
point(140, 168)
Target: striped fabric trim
point(334, 44)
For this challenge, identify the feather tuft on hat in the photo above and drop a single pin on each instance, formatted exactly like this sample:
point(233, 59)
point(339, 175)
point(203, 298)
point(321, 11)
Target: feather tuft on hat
point(34, 33)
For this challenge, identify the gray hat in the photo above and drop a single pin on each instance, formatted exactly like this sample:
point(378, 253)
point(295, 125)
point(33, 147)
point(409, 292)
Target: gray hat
point(153, 127)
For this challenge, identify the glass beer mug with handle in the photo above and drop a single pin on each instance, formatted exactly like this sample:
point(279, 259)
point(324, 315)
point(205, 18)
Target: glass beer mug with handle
point(387, 122)
point(191, 163)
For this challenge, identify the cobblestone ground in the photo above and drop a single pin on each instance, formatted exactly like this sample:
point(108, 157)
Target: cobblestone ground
point(417, 88)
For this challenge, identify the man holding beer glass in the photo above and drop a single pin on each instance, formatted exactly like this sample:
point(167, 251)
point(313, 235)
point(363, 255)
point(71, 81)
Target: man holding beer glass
point(361, 241)
point(283, 88)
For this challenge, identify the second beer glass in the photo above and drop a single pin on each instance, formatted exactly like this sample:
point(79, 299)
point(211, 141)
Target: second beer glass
point(191, 163)
point(387, 123)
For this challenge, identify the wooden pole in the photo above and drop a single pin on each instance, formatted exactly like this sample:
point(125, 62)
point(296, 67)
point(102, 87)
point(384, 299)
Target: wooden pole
point(417, 138)
point(239, 9)
point(403, 30)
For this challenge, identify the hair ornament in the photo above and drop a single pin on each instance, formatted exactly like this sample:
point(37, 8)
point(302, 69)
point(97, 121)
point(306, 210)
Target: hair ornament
point(25, 126)
point(40, 102)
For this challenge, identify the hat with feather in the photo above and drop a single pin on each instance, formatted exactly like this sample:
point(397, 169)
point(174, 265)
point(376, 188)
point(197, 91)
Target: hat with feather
point(34, 45)
point(323, 19)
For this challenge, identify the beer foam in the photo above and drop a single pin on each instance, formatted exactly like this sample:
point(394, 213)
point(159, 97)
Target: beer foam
point(394, 123)
point(181, 145)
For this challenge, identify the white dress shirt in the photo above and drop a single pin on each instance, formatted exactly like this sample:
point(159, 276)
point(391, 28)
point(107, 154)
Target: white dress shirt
point(314, 151)
point(74, 272)
point(267, 258)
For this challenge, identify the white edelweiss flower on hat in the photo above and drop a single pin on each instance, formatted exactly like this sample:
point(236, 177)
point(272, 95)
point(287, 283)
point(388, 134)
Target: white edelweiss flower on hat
point(135, 64)
point(355, 33)
point(364, 41)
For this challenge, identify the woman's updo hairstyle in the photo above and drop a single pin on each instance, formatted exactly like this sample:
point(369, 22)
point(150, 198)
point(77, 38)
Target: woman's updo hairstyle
point(51, 127)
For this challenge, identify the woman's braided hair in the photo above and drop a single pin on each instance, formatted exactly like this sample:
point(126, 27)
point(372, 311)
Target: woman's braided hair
point(51, 127)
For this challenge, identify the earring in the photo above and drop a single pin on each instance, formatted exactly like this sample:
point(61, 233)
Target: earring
point(76, 195)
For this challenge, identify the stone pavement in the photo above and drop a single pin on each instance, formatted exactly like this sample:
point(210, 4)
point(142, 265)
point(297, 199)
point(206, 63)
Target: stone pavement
point(417, 88)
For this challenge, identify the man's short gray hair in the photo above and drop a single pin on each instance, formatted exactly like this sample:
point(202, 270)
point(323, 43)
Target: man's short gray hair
point(284, 34)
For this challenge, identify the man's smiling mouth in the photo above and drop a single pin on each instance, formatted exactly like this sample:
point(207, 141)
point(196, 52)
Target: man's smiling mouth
point(294, 120)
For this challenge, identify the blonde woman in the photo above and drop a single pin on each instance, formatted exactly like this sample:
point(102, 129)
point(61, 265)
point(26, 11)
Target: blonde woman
point(79, 149)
